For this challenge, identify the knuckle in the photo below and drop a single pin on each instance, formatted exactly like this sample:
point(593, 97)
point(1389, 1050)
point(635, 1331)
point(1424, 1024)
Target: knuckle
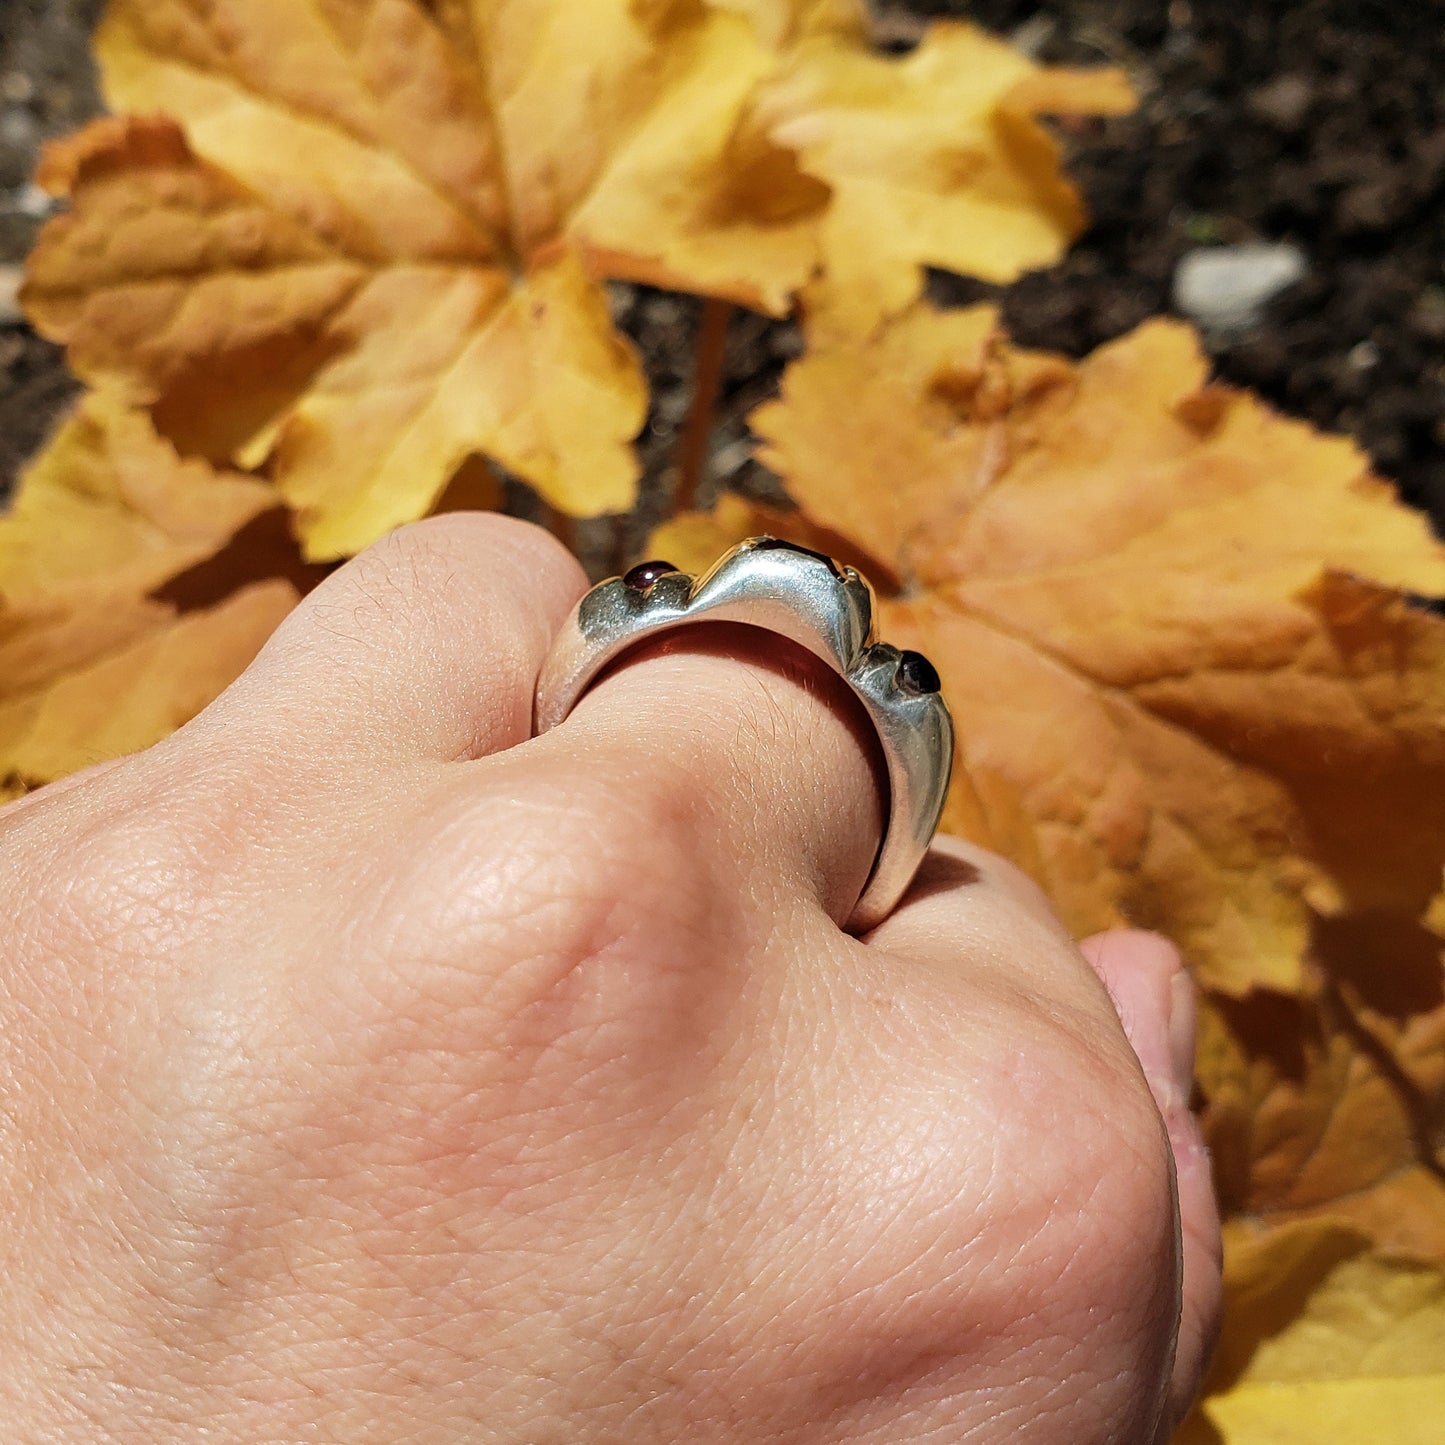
point(407, 584)
point(416, 561)
point(625, 839)
point(565, 900)
point(542, 962)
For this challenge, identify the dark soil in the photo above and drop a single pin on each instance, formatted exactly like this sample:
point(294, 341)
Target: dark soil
point(47, 87)
point(1321, 122)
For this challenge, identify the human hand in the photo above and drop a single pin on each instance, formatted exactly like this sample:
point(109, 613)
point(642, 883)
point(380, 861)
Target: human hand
point(373, 1072)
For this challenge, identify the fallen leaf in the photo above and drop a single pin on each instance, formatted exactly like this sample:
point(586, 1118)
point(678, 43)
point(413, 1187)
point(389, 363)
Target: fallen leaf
point(937, 159)
point(1213, 597)
point(96, 660)
point(783, 21)
point(367, 246)
point(1325, 1338)
point(1313, 1106)
point(249, 336)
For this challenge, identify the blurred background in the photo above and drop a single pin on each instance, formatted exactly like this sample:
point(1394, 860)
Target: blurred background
point(1282, 185)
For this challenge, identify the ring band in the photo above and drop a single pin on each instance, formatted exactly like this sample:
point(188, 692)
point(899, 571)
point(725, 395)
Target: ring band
point(819, 604)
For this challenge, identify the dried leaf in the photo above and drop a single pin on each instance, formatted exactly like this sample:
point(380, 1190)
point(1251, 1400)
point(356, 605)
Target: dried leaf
point(1210, 594)
point(934, 160)
point(1317, 1107)
point(96, 659)
point(783, 21)
point(369, 386)
point(365, 249)
point(1325, 1339)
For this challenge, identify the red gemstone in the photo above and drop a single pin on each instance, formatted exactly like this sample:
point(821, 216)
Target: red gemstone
point(642, 576)
point(917, 674)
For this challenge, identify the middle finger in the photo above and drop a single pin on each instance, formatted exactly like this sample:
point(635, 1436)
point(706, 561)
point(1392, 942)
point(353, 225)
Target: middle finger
point(762, 738)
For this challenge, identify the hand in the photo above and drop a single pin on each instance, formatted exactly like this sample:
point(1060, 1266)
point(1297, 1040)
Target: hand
point(372, 1072)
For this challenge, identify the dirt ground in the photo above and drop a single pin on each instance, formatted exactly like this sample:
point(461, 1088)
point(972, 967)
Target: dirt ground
point(1319, 122)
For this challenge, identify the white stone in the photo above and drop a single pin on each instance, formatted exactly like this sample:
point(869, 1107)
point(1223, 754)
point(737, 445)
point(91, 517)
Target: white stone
point(1224, 288)
point(1363, 356)
point(32, 201)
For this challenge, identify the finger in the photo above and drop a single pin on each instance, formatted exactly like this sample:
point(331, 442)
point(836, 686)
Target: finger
point(427, 645)
point(965, 899)
point(760, 736)
point(1154, 997)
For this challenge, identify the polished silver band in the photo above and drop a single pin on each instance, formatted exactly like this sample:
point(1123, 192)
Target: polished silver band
point(819, 604)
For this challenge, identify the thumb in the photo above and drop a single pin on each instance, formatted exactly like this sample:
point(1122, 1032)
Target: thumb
point(1154, 997)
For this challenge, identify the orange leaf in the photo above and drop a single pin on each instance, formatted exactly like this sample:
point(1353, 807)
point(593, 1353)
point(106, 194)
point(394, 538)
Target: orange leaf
point(1328, 1107)
point(936, 159)
point(1209, 595)
point(367, 247)
point(123, 610)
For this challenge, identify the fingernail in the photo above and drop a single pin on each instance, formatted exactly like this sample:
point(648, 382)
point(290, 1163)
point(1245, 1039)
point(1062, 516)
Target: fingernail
point(1183, 1019)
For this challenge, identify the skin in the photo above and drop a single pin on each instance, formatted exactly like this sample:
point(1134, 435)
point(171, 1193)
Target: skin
point(370, 1071)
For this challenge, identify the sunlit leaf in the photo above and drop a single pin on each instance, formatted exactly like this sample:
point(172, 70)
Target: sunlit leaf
point(1325, 1339)
point(1215, 598)
point(122, 611)
point(366, 244)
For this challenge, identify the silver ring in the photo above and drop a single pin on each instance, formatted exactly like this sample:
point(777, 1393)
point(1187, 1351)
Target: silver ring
point(821, 605)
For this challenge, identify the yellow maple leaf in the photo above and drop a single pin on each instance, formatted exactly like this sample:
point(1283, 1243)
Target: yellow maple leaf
point(121, 612)
point(934, 160)
point(1325, 1338)
point(1170, 625)
point(783, 21)
point(365, 248)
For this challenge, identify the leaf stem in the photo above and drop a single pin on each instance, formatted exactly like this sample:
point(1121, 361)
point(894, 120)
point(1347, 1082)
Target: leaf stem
point(707, 372)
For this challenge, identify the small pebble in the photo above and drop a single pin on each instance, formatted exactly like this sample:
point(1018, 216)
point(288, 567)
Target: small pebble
point(1427, 315)
point(732, 457)
point(620, 300)
point(1364, 355)
point(1035, 33)
point(671, 407)
point(1224, 289)
point(662, 311)
point(1285, 102)
point(32, 201)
